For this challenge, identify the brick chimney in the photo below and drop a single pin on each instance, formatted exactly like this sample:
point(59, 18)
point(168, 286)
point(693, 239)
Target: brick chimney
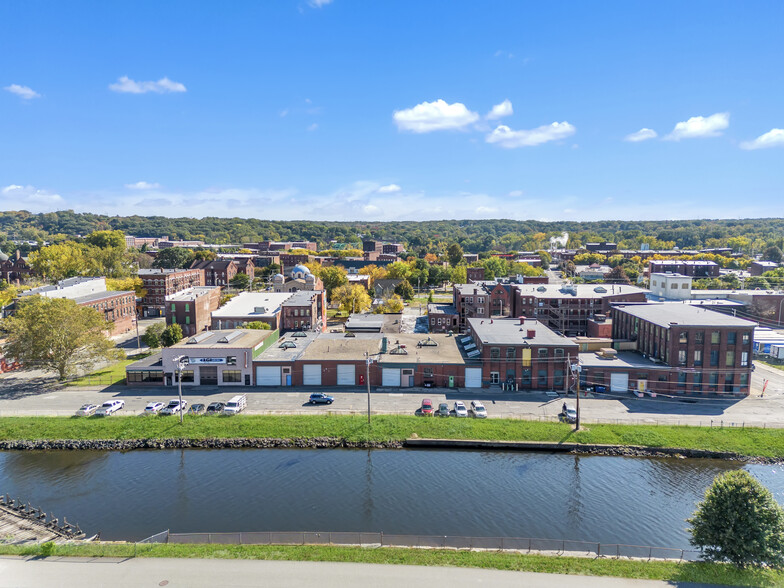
point(530, 334)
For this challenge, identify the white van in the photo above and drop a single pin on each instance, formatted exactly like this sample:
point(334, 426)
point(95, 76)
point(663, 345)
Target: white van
point(236, 405)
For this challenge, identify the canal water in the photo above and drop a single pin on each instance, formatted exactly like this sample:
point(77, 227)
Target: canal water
point(133, 495)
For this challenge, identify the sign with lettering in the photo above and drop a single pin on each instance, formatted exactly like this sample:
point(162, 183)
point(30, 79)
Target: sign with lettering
point(206, 360)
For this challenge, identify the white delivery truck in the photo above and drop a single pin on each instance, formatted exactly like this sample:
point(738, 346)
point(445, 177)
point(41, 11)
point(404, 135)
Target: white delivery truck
point(236, 405)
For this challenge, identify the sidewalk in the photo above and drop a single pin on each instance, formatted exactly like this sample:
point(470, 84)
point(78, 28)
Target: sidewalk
point(20, 572)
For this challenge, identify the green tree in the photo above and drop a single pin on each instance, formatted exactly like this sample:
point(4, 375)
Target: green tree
point(617, 275)
point(257, 325)
point(430, 296)
point(405, 290)
point(773, 253)
point(351, 298)
point(152, 336)
point(333, 277)
point(171, 335)
point(173, 258)
point(204, 255)
point(240, 282)
point(66, 260)
point(739, 521)
point(398, 269)
point(454, 254)
point(106, 239)
point(459, 275)
point(546, 258)
point(392, 305)
point(756, 283)
point(57, 334)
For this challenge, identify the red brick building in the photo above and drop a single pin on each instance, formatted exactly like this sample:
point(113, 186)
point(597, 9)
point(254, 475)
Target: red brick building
point(192, 308)
point(218, 272)
point(305, 310)
point(118, 308)
point(14, 269)
point(160, 283)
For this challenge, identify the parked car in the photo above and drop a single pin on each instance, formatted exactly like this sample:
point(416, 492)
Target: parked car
point(215, 408)
point(196, 409)
point(110, 407)
point(460, 409)
point(478, 409)
point(568, 414)
point(87, 410)
point(320, 398)
point(174, 406)
point(443, 410)
point(236, 405)
point(153, 407)
point(427, 407)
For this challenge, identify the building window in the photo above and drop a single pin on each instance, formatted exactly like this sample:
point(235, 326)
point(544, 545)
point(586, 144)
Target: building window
point(683, 337)
point(480, 310)
point(715, 337)
point(559, 353)
point(188, 320)
point(697, 379)
point(187, 307)
point(681, 379)
point(526, 379)
point(681, 357)
point(232, 376)
point(558, 379)
point(714, 378)
point(698, 357)
point(173, 307)
point(745, 338)
point(495, 377)
point(744, 359)
point(714, 357)
point(510, 353)
point(480, 299)
point(744, 379)
point(730, 359)
point(732, 338)
point(427, 372)
point(542, 379)
point(231, 360)
point(699, 337)
point(542, 352)
point(495, 352)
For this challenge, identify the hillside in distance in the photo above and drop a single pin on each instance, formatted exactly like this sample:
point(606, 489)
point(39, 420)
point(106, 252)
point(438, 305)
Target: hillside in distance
point(472, 235)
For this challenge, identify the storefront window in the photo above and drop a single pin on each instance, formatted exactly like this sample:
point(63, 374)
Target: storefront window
point(232, 376)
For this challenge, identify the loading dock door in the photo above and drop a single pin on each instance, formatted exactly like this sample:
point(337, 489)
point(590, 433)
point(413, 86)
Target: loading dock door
point(346, 375)
point(390, 377)
point(473, 377)
point(268, 375)
point(619, 382)
point(311, 374)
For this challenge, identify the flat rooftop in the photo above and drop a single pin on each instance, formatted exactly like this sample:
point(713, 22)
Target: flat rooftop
point(624, 359)
point(384, 323)
point(435, 308)
point(290, 347)
point(336, 346)
point(151, 362)
point(253, 304)
point(421, 348)
point(665, 315)
point(190, 294)
point(509, 331)
point(223, 339)
point(301, 298)
point(96, 296)
point(577, 290)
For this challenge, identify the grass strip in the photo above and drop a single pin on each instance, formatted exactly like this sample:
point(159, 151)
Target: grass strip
point(751, 442)
point(624, 568)
point(108, 376)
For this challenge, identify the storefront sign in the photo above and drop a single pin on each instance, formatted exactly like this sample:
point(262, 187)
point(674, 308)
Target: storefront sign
point(206, 360)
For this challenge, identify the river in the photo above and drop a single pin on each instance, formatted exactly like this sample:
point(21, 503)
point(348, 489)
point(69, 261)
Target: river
point(641, 501)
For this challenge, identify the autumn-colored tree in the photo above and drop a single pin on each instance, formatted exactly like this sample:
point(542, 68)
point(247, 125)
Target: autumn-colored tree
point(351, 298)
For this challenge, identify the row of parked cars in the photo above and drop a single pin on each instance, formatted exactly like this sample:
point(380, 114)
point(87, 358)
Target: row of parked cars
point(478, 410)
point(234, 406)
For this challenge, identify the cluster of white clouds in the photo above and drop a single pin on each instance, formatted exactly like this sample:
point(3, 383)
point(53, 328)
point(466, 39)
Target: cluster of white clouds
point(698, 127)
point(30, 198)
point(126, 85)
point(439, 115)
point(24, 92)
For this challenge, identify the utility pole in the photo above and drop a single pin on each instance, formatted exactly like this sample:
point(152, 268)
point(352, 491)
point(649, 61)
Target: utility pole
point(367, 380)
point(575, 368)
point(181, 361)
point(138, 345)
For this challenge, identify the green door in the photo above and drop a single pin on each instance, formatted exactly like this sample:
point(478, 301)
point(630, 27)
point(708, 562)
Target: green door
point(451, 381)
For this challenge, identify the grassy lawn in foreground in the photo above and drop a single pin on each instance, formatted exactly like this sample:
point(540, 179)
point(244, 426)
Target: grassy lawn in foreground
point(655, 570)
point(748, 441)
point(110, 375)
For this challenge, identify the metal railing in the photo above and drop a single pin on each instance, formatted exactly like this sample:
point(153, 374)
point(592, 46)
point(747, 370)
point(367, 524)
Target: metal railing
point(518, 544)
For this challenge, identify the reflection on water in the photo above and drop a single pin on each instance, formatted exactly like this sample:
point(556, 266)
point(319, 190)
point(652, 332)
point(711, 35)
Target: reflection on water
point(482, 493)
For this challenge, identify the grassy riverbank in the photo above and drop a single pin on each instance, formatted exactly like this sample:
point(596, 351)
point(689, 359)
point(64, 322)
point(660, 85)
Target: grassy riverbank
point(654, 570)
point(747, 442)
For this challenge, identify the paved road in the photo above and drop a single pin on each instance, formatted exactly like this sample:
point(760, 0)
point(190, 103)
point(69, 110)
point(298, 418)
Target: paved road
point(196, 573)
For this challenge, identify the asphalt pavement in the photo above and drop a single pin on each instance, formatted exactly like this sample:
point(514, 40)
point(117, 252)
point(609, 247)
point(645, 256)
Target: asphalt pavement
point(20, 572)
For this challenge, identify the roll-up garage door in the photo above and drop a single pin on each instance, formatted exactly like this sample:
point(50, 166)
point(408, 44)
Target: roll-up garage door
point(619, 382)
point(390, 377)
point(311, 374)
point(268, 375)
point(346, 375)
point(473, 377)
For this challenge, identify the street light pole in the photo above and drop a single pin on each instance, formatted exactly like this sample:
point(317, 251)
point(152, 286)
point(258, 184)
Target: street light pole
point(367, 381)
point(576, 369)
point(181, 361)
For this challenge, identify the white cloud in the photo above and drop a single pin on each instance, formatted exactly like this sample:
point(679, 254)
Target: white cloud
point(515, 193)
point(773, 138)
point(143, 186)
point(700, 126)
point(486, 210)
point(313, 127)
point(500, 110)
point(509, 139)
point(389, 189)
point(30, 198)
point(284, 112)
point(319, 3)
point(23, 92)
point(126, 85)
point(642, 135)
point(434, 116)
point(502, 53)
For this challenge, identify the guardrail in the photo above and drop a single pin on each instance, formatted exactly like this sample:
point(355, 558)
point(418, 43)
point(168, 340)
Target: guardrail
point(519, 544)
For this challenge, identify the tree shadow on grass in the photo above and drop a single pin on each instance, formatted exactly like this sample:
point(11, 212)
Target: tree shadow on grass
point(707, 574)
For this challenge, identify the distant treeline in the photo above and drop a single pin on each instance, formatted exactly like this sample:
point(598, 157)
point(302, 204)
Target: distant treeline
point(476, 236)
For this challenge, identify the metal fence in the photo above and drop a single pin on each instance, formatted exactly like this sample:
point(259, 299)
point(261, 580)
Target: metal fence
point(518, 544)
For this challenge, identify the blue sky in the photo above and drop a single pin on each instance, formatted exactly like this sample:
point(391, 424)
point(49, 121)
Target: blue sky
point(370, 110)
